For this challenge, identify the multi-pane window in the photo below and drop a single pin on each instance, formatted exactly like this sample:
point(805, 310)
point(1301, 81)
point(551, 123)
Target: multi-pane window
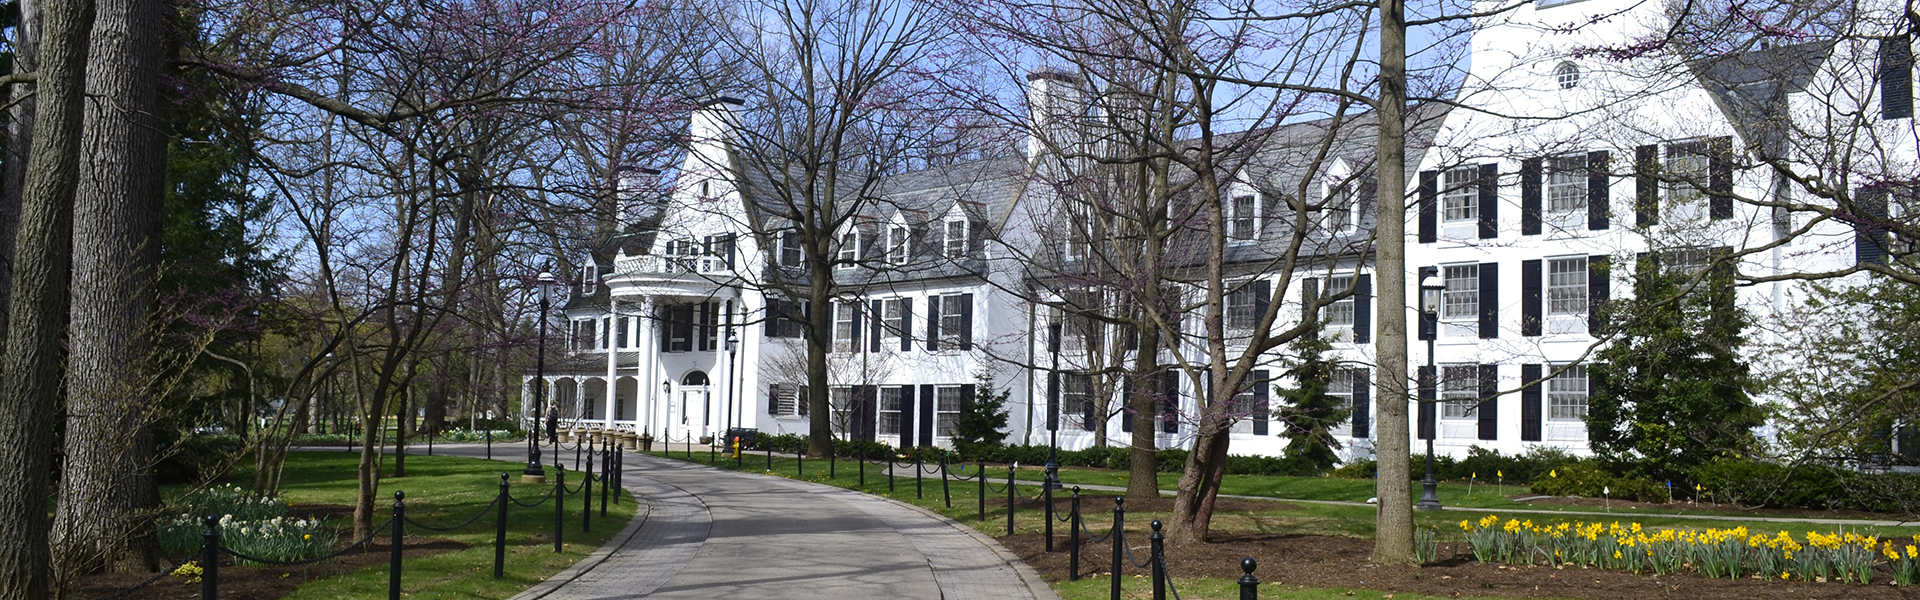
point(946, 410)
point(784, 400)
point(1567, 286)
point(849, 249)
point(583, 334)
point(953, 320)
point(1243, 308)
point(845, 316)
point(1460, 200)
point(1567, 394)
point(955, 239)
point(897, 244)
point(1241, 220)
point(889, 419)
point(1686, 170)
point(890, 314)
point(1567, 183)
point(1461, 300)
point(1076, 399)
point(1341, 386)
point(790, 255)
point(718, 251)
point(1340, 314)
point(1459, 391)
point(682, 256)
point(1685, 262)
point(1341, 209)
point(1567, 75)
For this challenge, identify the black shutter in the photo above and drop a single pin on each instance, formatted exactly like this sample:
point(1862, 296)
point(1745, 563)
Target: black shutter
point(1530, 196)
point(907, 423)
point(1489, 181)
point(1896, 77)
point(1869, 230)
point(1429, 323)
point(1489, 300)
point(773, 399)
point(1531, 302)
point(728, 243)
point(966, 321)
point(1489, 410)
point(873, 333)
point(1309, 293)
point(1530, 403)
point(1087, 412)
point(1599, 200)
point(933, 323)
point(703, 322)
point(803, 403)
point(1720, 178)
point(966, 401)
point(770, 325)
point(926, 415)
point(854, 344)
point(866, 412)
point(1259, 403)
point(1362, 404)
point(1363, 309)
point(1599, 292)
point(1262, 297)
point(1646, 185)
point(1170, 402)
point(1427, 396)
point(1429, 206)
point(832, 309)
point(906, 324)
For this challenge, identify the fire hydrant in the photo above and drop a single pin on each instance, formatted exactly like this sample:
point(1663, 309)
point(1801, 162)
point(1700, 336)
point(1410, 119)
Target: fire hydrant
point(736, 447)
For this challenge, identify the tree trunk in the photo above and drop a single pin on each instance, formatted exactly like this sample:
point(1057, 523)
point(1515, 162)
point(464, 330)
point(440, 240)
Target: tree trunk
point(19, 140)
point(1199, 486)
point(402, 418)
point(820, 419)
point(102, 520)
point(30, 372)
point(1143, 478)
point(1393, 538)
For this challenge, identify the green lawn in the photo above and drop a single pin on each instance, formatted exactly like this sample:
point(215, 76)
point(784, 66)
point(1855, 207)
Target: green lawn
point(445, 491)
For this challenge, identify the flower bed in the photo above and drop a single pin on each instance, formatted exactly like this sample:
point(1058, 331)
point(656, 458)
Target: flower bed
point(1729, 553)
point(248, 525)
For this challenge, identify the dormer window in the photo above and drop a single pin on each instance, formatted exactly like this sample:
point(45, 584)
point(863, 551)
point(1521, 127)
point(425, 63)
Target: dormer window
point(1342, 210)
point(1242, 220)
point(790, 255)
point(897, 245)
point(956, 238)
point(589, 279)
point(849, 249)
point(1567, 75)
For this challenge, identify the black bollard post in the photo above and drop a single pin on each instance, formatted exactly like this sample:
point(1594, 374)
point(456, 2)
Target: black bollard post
point(559, 504)
point(769, 453)
point(800, 462)
point(1046, 493)
point(576, 448)
point(983, 494)
point(1010, 469)
point(606, 474)
point(500, 532)
point(1249, 585)
point(430, 443)
point(619, 469)
point(833, 461)
point(1073, 537)
point(1119, 538)
point(919, 487)
point(394, 551)
point(586, 497)
point(210, 559)
point(1158, 543)
point(863, 468)
point(891, 461)
point(712, 457)
point(946, 490)
point(489, 434)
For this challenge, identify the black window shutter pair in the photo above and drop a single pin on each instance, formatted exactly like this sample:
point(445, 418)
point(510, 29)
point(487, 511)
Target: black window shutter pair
point(1362, 404)
point(1259, 403)
point(907, 422)
point(1896, 77)
point(1530, 403)
point(1489, 300)
point(1489, 410)
point(1869, 230)
point(1091, 408)
point(1427, 397)
point(1489, 182)
point(1429, 204)
point(1429, 323)
point(1363, 309)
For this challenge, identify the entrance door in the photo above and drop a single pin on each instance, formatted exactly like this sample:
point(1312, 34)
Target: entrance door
point(693, 414)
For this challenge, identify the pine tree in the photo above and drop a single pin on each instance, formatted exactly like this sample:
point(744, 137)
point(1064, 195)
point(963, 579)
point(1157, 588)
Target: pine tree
point(983, 421)
point(1310, 414)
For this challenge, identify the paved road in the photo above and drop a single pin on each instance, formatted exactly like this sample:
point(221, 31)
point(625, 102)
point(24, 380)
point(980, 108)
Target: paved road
point(710, 533)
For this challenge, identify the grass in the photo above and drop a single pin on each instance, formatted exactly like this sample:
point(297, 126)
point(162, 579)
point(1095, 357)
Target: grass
point(445, 491)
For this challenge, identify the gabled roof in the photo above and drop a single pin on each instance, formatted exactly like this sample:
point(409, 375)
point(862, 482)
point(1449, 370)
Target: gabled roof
point(1751, 88)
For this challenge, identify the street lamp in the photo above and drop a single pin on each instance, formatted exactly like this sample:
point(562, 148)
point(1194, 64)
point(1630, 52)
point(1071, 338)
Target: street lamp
point(1053, 415)
point(1430, 289)
point(733, 341)
point(534, 473)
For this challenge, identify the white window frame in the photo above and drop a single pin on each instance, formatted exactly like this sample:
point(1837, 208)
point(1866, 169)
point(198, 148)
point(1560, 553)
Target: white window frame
point(849, 253)
point(1461, 300)
point(589, 279)
point(1460, 195)
point(711, 259)
point(1459, 391)
point(1340, 315)
point(1243, 217)
point(1567, 287)
point(1343, 207)
point(890, 313)
point(1687, 169)
point(946, 410)
point(840, 406)
point(1567, 393)
point(1566, 75)
point(952, 321)
point(1340, 385)
point(887, 421)
point(583, 340)
point(845, 315)
point(682, 256)
point(1241, 308)
point(1076, 391)
point(1567, 183)
point(955, 239)
point(897, 246)
point(791, 254)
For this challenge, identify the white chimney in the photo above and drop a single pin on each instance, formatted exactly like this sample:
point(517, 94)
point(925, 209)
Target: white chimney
point(1055, 102)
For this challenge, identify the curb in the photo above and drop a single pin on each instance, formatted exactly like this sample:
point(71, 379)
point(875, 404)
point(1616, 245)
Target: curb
point(554, 583)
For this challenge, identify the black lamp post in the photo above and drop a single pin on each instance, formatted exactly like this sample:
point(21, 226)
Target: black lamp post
point(1053, 411)
point(543, 285)
point(1430, 290)
point(733, 341)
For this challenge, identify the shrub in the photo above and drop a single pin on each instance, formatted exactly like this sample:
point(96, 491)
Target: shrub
point(1764, 484)
point(1364, 468)
point(1589, 479)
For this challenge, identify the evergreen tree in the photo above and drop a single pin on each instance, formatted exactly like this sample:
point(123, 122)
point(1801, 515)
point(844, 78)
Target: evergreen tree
point(983, 422)
point(1671, 392)
point(1310, 414)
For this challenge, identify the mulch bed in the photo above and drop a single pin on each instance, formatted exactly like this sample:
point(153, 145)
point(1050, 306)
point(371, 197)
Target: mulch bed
point(269, 583)
point(1323, 561)
point(1686, 508)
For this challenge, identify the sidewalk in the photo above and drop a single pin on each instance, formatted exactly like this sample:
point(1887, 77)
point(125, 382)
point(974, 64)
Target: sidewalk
point(707, 533)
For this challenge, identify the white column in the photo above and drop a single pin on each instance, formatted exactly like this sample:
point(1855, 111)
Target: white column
point(613, 355)
point(643, 380)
